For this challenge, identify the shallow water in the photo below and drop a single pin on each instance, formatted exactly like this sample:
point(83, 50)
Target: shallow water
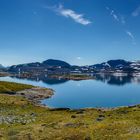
point(105, 91)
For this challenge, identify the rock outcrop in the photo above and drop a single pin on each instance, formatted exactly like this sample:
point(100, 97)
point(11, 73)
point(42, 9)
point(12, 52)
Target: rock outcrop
point(36, 94)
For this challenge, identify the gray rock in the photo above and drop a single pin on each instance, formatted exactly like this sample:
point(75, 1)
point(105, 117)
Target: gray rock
point(35, 94)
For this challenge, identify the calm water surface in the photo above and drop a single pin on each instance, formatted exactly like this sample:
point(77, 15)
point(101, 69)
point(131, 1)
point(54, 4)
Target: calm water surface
point(105, 91)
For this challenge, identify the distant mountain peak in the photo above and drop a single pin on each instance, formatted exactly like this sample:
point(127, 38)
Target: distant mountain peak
point(1, 66)
point(54, 62)
point(118, 62)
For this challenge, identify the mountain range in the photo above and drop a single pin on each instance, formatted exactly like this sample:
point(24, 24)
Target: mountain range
point(62, 66)
point(118, 65)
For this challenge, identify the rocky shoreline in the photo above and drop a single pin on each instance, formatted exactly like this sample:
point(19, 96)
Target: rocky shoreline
point(36, 94)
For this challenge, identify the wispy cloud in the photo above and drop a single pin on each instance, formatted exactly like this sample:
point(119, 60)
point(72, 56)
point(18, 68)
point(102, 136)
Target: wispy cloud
point(116, 17)
point(68, 13)
point(121, 19)
point(131, 36)
point(112, 13)
point(136, 12)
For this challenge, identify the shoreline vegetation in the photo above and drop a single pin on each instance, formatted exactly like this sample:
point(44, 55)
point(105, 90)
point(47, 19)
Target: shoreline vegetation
point(23, 119)
point(73, 76)
point(2, 74)
point(57, 76)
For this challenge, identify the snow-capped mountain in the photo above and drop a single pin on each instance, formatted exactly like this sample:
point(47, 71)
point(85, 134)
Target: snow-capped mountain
point(113, 64)
point(1, 66)
point(135, 65)
point(122, 65)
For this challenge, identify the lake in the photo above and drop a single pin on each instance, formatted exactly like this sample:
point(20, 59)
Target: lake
point(104, 91)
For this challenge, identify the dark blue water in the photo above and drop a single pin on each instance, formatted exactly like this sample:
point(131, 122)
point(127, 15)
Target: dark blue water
point(107, 91)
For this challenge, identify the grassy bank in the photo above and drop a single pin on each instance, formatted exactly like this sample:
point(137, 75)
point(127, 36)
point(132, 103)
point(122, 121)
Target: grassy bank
point(21, 120)
point(10, 87)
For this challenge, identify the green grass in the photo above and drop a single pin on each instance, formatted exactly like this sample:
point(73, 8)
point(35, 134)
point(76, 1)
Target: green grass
point(40, 123)
point(9, 87)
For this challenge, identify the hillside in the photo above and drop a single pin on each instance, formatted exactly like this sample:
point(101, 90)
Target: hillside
point(40, 67)
point(20, 119)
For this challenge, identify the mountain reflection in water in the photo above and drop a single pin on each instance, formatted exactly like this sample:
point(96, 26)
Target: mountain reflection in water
point(118, 80)
point(104, 90)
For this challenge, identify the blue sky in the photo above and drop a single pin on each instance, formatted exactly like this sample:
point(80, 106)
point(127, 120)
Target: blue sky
point(77, 31)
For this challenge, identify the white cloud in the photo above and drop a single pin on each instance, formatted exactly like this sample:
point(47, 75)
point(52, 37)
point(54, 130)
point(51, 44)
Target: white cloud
point(136, 12)
point(68, 13)
point(131, 36)
point(79, 58)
